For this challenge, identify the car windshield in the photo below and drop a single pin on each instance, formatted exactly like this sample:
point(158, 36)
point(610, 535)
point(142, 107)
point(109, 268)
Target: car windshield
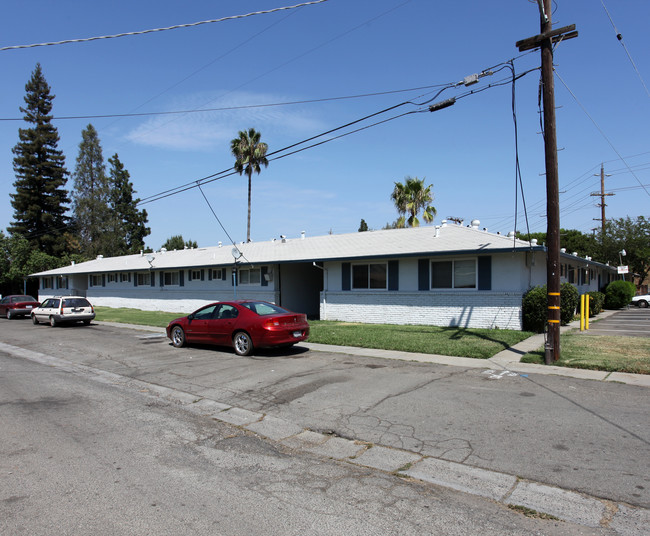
point(76, 302)
point(264, 309)
point(17, 299)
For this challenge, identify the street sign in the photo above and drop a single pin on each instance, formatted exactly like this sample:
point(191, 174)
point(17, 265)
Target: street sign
point(622, 270)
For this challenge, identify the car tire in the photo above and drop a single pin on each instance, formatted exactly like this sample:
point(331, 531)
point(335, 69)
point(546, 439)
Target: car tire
point(9, 315)
point(53, 321)
point(242, 343)
point(642, 303)
point(178, 337)
point(34, 320)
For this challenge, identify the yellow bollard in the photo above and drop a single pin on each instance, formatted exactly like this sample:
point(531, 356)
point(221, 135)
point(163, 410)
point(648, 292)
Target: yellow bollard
point(587, 311)
point(582, 312)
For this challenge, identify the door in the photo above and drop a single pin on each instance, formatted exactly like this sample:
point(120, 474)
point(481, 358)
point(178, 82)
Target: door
point(198, 327)
point(223, 324)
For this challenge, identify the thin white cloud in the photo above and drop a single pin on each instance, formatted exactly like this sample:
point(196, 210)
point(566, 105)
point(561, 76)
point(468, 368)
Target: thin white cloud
point(208, 130)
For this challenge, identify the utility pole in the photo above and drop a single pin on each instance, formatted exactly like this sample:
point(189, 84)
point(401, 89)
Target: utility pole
point(602, 204)
point(545, 41)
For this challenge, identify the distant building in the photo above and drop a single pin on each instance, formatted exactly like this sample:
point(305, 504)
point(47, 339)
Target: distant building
point(447, 275)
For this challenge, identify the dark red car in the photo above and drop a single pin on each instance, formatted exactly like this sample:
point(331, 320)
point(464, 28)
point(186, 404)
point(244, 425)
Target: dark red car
point(242, 324)
point(17, 305)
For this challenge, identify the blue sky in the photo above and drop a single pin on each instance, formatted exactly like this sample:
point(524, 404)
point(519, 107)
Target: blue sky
point(339, 48)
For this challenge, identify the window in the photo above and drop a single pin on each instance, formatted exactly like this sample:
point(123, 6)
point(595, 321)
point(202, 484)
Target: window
point(144, 279)
point(125, 277)
point(112, 278)
point(171, 278)
point(96, 280)
point(453, 274)
point(251, 276)
point(206, 313)
point(196, 274)
point(572, 274)
point(369, 276)
point(218, 273)
point(48, 282)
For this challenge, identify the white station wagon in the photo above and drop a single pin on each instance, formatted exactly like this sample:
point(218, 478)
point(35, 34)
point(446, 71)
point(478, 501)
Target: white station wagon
point(63, 309)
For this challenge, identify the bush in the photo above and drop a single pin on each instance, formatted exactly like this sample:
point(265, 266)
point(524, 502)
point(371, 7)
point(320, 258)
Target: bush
point(534, 307)
point(569, 301)
point(618, 294)
point(596, 302)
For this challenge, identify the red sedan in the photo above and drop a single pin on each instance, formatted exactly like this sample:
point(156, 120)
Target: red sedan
point(17, 305)
point(242, 324)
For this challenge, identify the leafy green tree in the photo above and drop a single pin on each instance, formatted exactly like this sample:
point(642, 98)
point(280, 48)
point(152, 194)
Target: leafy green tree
point(250, 155)
point(410, 199)
point(177, 242)
point(91, 196)
point(571, 240)
point(129, 223)
point(363, 226)
point(633, 236)
point(40, 201)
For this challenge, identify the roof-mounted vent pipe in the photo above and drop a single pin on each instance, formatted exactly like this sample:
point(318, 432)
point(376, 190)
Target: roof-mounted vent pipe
point(436, 233)
point(562, 250)
point(443, 223)
point(219, 244)
point(100, 257)
point(511, 234)
point(533, 241)
point(302, 235)
point(284, 238)
point(163, 250)
point(475, 224)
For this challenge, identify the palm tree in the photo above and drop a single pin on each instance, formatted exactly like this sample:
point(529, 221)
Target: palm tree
point(411, 198)
point(249, 155)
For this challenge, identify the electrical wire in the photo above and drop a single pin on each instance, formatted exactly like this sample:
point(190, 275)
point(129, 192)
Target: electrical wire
point(619, 36)
point(177, 26)
point(602, 133)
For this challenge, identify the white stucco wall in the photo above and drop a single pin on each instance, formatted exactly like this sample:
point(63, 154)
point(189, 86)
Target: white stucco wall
point(485, 309)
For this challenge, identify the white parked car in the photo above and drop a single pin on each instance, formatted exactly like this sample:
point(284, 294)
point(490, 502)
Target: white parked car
point(641, 301)
point(63, 309)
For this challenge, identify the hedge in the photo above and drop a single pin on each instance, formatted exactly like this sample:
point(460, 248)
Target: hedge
point(535, 306)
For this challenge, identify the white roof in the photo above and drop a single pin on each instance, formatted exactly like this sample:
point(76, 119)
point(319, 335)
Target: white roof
point(418, 241)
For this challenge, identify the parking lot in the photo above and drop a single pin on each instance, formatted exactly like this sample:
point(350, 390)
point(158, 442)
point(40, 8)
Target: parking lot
point(631, 322)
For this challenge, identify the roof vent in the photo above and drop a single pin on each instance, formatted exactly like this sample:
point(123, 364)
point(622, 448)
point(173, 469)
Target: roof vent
point(475, 224)
point(575, 254)
point(562, 250)
point(141, 253)
point(71, 263)
point(100, 257)
point(302, 235)
point(511, 234)
point(533, 241)
point(163, 250)
point(437, 231)
point(443, 223)
point(284, 238)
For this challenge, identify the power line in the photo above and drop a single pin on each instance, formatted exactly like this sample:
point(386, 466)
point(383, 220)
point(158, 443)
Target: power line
point(619, 36)
point(142, 32)
point(602, 133)
point(242, 107)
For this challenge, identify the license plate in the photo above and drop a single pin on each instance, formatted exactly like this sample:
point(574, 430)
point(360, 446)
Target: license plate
point(28, 307)
point(297, 334)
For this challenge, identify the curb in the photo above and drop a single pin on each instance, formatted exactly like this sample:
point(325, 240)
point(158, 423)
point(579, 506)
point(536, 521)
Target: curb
point(506, 489)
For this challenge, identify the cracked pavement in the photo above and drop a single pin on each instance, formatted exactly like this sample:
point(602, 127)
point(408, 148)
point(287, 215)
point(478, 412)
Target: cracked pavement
point(587, 436)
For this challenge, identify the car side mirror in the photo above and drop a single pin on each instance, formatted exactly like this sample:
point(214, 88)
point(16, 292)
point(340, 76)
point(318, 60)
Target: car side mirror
point(190, 317)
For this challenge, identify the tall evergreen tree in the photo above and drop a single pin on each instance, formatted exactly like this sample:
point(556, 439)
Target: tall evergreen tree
point(91, 195)
point(130, 224)
point(40, 201)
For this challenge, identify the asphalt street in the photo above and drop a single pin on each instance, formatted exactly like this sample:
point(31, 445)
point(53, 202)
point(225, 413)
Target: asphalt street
point(549, 434)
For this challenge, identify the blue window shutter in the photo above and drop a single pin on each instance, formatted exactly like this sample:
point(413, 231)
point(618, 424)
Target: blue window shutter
point(103, 280)
point(161, 278)
point(423, 274)
point(130, 277)
point(345, 276)
point(153, 278)
point(189, 275)
point(56, 282)
point(135, 280)
point(393, 275)
point(485, 273)
point(264, 271)
point(210, 274)
point(90, 280)
point(202, 274)
point(67, 282)
point(181, 278)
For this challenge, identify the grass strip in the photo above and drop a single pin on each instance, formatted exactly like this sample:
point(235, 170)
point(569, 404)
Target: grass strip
point(599, 352)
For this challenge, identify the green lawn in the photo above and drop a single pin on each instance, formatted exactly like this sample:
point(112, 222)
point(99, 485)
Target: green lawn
point(461, 342)
point(135, 316)
point(595, 352)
